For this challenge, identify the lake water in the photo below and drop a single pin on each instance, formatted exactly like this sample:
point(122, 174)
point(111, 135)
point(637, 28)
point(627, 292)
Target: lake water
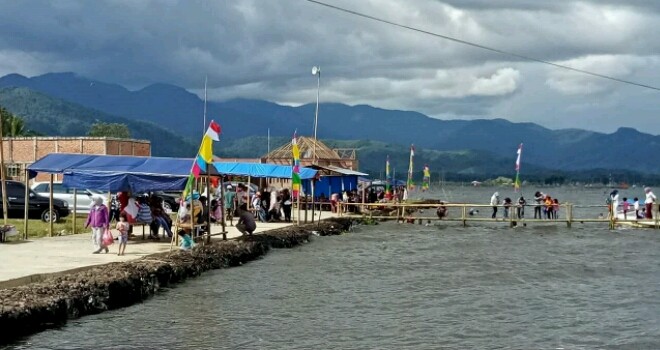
point(399, 286)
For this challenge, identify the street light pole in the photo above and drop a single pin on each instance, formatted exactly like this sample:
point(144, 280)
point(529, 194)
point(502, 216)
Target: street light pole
point(316, 71)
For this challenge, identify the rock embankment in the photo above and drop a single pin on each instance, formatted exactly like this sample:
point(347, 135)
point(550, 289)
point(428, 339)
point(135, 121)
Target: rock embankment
point(28, 309)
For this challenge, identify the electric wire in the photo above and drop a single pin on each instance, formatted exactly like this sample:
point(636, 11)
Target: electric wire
point(483, 47)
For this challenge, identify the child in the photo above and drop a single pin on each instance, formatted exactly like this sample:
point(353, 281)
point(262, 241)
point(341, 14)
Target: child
point(636, 207)
point(555, 208)
point(122, 227)
point(626, 207)
point(186, 240)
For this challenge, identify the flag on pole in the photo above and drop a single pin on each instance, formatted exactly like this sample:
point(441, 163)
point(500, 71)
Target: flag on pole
point(204, 155)
point(295, 171)
point(427, 178)
point(387, 175)
point(516, 183)
point(411, 184)
point(214, 131)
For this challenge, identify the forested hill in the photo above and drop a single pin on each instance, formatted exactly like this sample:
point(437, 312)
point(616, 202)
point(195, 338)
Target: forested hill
point(55, 117)
point(177, 109)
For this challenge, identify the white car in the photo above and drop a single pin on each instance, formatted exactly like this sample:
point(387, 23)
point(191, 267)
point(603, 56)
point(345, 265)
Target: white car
point(84, 198)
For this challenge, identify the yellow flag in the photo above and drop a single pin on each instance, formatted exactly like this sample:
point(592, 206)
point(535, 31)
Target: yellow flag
point(206, 149)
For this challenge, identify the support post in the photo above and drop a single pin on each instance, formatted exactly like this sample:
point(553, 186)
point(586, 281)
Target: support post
point(569, 215)
point(75, 205)
point(222, 207)
point(50, 207)
point(464, 215)
point(298, 208)
point(3, 176)
point(208, 205)
point(305, 208)
point(313, 202)
point(27, 203)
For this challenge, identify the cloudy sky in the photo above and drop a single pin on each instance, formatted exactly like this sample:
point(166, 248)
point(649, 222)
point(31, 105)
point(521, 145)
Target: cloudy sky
point(265, 49)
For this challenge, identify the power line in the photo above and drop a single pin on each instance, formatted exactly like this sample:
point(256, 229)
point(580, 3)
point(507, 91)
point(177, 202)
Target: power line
point(483, 47)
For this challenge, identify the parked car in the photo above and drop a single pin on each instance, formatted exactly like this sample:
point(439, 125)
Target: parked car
point(38, 206)
point(170, 200)
point(253, 188)
point(84, 198)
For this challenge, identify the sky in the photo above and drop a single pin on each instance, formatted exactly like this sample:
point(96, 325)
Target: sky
point(266, 49)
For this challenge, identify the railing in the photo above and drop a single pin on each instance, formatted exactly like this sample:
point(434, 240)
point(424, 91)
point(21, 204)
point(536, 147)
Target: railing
point(397, 211)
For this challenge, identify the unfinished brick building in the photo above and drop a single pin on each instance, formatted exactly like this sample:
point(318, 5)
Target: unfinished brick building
point(20, 152)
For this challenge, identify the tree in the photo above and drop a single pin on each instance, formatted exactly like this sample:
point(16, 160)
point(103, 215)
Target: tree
point(117, 130)
point(12, 125)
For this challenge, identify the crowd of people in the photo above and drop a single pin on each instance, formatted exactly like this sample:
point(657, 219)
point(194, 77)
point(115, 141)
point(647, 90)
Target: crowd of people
point(626, 207)
point(545, 207)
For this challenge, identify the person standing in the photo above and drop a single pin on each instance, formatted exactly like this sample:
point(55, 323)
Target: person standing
point(98, 219)
point(614, 203)
point(495, 201)
point(520, 210)
point(122, 227)
point(229, 204)
point(650, 200)
point(286, 204)
point(538, 200)
point(636, 207)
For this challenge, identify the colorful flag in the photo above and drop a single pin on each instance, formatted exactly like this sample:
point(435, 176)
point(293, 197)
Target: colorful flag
point(214, 131)
point(295, 171)
point(206, 149)
point(204, 155)
point(387, 175)
point(516, 183)
point(411, 184)
point(426, 182)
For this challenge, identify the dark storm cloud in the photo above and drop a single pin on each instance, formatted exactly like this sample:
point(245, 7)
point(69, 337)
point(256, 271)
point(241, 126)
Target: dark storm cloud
point(265, 49)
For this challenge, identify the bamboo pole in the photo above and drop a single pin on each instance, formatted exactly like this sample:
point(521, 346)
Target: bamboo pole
point(222, 207)
point(3, 175)
point(313, 202)
point(50, 207)
point(208, 205)
point(75, 206)
point(27, 203)
point(464, 215)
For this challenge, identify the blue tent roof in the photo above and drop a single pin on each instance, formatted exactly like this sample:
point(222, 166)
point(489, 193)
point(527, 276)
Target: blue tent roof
point(58, 163)
point(143, 174)
point(262, 170)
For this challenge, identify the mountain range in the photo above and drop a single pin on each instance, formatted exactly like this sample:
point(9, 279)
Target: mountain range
point(490, 140)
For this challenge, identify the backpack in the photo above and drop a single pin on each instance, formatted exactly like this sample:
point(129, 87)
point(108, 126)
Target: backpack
point(608, 201)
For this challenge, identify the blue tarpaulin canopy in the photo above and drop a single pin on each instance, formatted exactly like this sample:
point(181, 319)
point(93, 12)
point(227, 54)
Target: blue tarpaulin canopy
point(143, 174)
point(262, 170)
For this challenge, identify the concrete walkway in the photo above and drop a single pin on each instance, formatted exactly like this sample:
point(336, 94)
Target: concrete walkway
point(22, 262)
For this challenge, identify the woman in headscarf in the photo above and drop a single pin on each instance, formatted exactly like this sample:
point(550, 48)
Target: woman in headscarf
point(650, 200)
point(98, 219)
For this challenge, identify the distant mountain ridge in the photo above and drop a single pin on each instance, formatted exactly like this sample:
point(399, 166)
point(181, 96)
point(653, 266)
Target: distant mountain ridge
point(56, 117)
point(178, 109)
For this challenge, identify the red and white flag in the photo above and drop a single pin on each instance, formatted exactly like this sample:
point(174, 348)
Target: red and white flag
point(214, 131)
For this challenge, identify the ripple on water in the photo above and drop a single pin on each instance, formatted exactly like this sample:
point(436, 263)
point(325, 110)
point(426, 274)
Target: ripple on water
point(406, 287)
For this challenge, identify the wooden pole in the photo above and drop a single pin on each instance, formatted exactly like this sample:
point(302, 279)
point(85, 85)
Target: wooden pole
point(3, 175)
point(313, 202)
point(569, 215)
point(463, 215)
point(50, 207)
point(305, 208)
point(222, 207)
point(75, 206)
point(208, 205)
point(298, 209)
point(27, 203)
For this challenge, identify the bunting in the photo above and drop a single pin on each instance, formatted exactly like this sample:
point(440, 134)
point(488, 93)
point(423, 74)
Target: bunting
point(426, 182)
point(204, 156)
point(295, 171)
point(411, 184)
point(516, 183)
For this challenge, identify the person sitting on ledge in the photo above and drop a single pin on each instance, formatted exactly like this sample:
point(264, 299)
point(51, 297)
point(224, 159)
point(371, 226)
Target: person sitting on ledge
point(246, 223)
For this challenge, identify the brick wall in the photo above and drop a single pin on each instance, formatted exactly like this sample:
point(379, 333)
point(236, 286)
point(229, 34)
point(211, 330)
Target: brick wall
point(20, 152)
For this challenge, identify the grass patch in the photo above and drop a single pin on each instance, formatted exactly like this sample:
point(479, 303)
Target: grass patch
point(38, 228)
